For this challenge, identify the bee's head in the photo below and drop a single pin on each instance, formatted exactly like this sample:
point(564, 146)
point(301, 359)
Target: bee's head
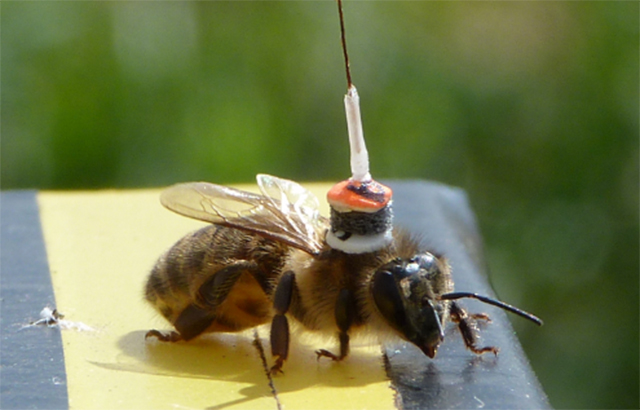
point(403, 291)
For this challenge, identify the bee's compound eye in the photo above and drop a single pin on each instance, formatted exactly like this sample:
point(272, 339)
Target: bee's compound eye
point(424, 260)
point(412, 268)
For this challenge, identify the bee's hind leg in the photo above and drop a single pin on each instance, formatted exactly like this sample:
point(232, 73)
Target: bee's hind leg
point(198, 316)
point(216, 289)
point(468, 329)
point(163, 337)
point(345, 314)
point(190, 323)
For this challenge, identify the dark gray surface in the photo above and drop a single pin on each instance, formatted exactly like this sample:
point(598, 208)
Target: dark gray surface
point(32, 375)
point(457, 378)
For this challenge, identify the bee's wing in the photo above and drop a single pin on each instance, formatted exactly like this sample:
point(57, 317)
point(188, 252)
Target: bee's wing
point(286, 212)
point(298, 207)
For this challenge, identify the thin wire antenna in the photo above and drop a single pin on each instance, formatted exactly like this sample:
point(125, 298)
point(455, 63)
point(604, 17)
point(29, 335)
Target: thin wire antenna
point(344, 44)
point(360, 193)
point(359, 154)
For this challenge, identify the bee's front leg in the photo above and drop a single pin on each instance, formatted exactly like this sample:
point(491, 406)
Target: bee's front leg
point(346, 310)
point(280, 325)
point(468, 329)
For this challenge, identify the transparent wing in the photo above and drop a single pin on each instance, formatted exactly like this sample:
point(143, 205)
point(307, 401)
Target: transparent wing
point(298, 206)
point(285, 211)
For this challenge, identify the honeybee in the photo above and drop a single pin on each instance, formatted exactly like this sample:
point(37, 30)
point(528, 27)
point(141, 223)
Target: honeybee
point(272, 257)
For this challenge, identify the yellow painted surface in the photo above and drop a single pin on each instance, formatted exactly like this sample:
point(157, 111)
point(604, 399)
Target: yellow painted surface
point(101, 246)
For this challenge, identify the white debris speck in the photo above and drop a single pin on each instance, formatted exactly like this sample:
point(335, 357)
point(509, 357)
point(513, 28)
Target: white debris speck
point(480, 402)
point(52, 318)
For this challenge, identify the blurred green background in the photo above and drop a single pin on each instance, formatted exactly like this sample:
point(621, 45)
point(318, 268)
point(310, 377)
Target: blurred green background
point(532, 107)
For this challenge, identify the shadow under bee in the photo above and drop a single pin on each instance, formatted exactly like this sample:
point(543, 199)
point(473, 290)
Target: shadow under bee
point(235, 357)
point(223, 357)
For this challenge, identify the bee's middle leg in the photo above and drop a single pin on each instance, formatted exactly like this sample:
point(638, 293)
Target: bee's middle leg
point(280, 325)
point(345, 314)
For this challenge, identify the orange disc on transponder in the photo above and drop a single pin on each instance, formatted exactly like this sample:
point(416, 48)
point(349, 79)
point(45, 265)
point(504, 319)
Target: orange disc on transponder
point(351, 195)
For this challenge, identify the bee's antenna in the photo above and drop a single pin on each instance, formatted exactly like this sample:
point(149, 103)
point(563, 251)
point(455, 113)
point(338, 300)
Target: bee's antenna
point(485, 299)
point(360, 207)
